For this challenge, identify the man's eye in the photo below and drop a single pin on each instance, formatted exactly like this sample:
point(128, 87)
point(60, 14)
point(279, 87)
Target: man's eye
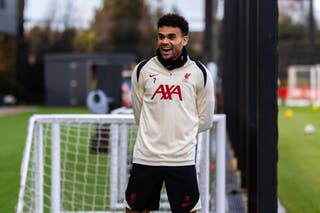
point(172, 37)
point(160, 37)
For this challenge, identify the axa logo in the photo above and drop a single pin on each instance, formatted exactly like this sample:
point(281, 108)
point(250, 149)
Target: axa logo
point(167, 92)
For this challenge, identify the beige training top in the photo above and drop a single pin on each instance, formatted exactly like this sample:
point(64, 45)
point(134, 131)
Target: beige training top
point(170, 107)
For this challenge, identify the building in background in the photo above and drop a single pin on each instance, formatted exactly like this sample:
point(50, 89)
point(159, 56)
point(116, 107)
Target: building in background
point(70, 77)
point(8, 17)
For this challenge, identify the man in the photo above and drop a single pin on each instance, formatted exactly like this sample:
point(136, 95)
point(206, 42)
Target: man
point(97, 103)
point(173, 100)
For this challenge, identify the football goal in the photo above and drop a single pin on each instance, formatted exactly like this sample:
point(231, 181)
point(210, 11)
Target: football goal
point(81, 163)
point(303, 85)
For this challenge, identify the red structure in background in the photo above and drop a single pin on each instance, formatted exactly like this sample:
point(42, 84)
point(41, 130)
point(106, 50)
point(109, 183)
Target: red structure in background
point(282, 93)
point(297, 93)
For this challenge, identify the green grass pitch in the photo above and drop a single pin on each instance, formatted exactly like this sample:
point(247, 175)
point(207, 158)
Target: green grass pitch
point(13, 134)
point(299, 160)
point(298, 165)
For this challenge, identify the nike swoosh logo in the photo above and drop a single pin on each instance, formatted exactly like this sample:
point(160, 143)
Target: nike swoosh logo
point(152, 75)
point(186, 204)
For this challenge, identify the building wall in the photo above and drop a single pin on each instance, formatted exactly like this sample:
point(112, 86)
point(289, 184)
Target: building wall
point(68, 76)
point(8, 16)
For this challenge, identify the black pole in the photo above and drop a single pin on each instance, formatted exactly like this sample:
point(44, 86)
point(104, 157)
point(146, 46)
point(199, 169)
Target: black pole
point(243, 90)
point(262, 106)
point(209, 31)
point(268, 107)
point(250, 63)
point(230, 74)
point(20, 10)
point(21, 51)
point(311, 24)
point(253, 91)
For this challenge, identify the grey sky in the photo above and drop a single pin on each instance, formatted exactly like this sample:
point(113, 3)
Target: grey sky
point(37, 11)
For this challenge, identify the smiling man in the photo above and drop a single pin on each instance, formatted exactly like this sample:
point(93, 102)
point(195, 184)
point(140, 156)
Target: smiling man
point(173, 100)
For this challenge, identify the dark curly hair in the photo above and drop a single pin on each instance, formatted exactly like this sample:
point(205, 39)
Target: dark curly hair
point(174, 20)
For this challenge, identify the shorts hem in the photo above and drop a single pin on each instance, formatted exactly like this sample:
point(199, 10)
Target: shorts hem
point(197, 206)
point(163, 163)
point(126, 205)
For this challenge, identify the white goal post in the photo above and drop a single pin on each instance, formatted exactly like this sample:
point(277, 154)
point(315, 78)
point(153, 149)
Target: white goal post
point(81, 162)
point(303, 85)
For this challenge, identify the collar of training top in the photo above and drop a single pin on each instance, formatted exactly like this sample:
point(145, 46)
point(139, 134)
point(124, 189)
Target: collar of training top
point(173, 64)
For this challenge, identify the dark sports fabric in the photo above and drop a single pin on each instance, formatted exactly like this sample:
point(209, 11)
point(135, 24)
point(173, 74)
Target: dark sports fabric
point(142, 63)
point(201, 66)
point(145, 183)
point(198, 63)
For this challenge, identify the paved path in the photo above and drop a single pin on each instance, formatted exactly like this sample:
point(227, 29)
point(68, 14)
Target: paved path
point(8, 110)
point(237, 198)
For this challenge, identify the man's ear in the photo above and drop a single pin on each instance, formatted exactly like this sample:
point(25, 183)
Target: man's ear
point(185, 40)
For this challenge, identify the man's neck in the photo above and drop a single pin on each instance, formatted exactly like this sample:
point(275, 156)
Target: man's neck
point(172, 64)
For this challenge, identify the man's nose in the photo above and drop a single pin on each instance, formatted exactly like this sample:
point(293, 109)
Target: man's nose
point(165, 40)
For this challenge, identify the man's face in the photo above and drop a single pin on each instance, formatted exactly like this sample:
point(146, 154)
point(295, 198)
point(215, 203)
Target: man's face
point(170, 42)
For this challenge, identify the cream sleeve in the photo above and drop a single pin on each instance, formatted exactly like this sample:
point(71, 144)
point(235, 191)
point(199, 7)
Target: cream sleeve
point(206, 103)
point(137, 92)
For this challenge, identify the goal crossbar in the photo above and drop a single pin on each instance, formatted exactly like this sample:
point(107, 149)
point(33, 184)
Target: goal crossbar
point(34, 168)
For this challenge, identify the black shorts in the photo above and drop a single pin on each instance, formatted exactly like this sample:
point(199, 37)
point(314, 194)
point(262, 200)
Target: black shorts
point(145, 183)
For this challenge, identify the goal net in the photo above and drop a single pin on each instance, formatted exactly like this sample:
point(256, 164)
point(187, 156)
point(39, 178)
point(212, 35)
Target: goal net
point(81, 163)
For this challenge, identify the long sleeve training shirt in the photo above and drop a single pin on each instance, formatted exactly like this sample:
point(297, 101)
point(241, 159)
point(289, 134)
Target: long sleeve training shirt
point(170, 107)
